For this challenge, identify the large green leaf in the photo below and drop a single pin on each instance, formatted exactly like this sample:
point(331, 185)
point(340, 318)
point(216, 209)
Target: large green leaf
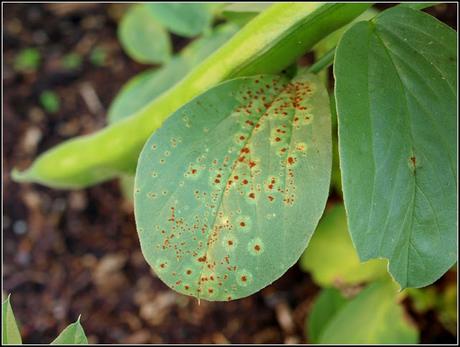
point(185, 19)
point(397, 112)
point(73, 334)
point(372, 317)
point(326, 306)
point(331, 257)
point(143, 38)
point(146, 86)
point(231, 187)
point(10, 331)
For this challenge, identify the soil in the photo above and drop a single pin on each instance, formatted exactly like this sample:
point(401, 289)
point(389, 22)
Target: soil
point(68, 253)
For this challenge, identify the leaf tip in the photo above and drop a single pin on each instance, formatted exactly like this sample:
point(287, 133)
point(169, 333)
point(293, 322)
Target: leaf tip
point(21, 176)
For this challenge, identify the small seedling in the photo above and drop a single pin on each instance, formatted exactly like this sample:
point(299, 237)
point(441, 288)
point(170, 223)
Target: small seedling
point(27, 60)
point(50, 101)
point(71, 335)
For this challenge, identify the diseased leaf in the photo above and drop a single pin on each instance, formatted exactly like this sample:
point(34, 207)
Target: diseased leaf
point(372, 317)
point(146, 86)
point(72, 335)
point(397, 113)
point(325, 307)
point(231, 187)
point(331, 257)
point(143, 38)
point(10, 331)
point(185, 19)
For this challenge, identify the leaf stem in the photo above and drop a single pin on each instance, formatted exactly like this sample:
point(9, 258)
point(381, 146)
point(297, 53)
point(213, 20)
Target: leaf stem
point(324, 62)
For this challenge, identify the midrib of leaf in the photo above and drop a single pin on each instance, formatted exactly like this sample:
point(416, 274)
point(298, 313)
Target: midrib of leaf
point(235, 162)
point(411, 206)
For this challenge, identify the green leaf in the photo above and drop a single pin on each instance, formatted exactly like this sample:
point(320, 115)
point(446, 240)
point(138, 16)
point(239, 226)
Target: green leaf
point(50, 101)
point(72, 335)
point(241, 13)
point(146, 86)
point(229, 190)
point(325, 307)
point(397, 113)
point(372, 317)
point(127, 187)
point(10, 330)
point(418, 5)
point(331, 257)
point(27, 60)
point(143, 38)
point(185, 19)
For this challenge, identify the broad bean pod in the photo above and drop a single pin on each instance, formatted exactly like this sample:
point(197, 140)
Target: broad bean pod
point(268, 44)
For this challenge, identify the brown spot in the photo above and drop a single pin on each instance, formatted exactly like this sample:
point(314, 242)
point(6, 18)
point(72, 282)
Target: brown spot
point(202, 259)
point(413, 160)
point(217, 180)
point(245, 181)
point(252, 195)
point(252, 164)
point(189, 272)
point(162, 265)
point(271, 198)
point(291, 160)
point(257, 248)
point(193, 171)
point(242, 224)
point(242, 137)
point(277, 139)
point(230, 242)
point(229, 298)
point(186, 287)
point(243, 278)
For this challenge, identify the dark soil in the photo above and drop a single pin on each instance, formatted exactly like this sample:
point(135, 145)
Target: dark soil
point(77, 252)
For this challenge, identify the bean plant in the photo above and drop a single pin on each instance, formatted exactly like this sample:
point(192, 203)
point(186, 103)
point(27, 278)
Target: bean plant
point(230, 143)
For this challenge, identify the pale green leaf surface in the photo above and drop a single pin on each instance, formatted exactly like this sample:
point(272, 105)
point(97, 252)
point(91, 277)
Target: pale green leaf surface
point(325, 307)
point(397, 113)
point(229, 190)
point(73, 334)
point(10, 331)
point(146, 86)
point(372, 317)
point(331, 257)
point(241, 13)
point(143, 38)
point(185, 19)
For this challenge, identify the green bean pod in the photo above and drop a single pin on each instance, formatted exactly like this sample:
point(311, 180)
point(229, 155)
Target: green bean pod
point(267, 44)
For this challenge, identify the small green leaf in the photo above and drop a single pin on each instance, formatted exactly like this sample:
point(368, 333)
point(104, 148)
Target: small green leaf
point(143, 38)
point(72, 335)
point(185, 19)
point(229, 190)
point(331, 257)
point(98, 56)
point(71, 61)
point(50, 101)
point(146, 86)
point(396, 94)
point(10, 330)
point(372, 317)
point(325, 307)
point(27, 60)
point(241, 13)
